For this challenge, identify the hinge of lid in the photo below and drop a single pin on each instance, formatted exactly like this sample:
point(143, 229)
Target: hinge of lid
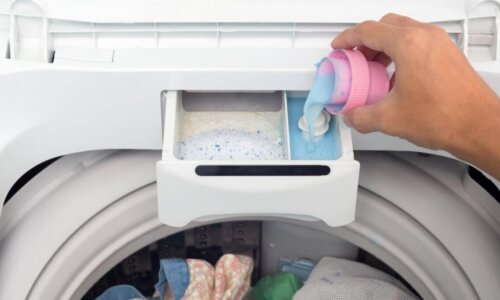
point(29, 37)
point(4, 36)
point(481, 29)
point(481, 39)
point(4, 45)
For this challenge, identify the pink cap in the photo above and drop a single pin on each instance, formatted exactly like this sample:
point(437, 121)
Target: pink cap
point(379, 82)
point(368, 81)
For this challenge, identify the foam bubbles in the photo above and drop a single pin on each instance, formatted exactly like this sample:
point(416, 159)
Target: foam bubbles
point(232, 136)
point(231, 144)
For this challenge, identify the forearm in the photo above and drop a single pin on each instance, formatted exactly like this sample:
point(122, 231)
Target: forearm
point(479, 141)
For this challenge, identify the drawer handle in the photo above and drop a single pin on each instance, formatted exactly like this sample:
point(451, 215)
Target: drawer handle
point(262, 170)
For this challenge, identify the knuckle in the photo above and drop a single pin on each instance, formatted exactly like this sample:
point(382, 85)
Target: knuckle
point(366, 25)
point(413, 36)
point(437, 31)
point(389, 16)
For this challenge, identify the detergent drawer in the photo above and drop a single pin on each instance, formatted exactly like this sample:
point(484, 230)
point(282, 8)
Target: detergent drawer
point(228, 154)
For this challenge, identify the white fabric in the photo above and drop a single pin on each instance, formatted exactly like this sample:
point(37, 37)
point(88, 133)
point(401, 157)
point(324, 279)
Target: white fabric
point(341, 279)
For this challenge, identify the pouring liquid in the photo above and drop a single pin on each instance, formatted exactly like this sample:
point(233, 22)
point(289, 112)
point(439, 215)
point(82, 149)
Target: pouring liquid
point(316, 101)
point(311, 113)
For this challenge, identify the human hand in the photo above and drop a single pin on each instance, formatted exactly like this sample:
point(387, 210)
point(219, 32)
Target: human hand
point(437, 100)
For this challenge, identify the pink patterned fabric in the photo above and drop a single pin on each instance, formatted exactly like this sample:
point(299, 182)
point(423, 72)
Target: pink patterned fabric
point(230, 280)
point(201, 280)
point(232, 277)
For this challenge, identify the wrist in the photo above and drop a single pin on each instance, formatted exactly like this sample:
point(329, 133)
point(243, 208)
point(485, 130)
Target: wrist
point(476, 139)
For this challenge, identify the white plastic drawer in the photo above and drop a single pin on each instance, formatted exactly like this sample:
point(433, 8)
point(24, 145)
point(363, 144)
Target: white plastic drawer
point(196, 182)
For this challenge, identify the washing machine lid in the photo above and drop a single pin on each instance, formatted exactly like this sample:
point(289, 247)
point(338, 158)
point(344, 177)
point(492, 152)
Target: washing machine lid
point(99, 31)
point(33, 30)
point(182, 11)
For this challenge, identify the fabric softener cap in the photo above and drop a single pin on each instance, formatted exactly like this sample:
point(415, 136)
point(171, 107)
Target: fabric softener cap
point(357, 81)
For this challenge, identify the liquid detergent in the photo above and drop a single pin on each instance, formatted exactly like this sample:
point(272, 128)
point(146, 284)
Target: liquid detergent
point(326, 147)
point(344, 80)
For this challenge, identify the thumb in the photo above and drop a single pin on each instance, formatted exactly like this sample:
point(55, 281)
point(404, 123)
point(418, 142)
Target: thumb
point(364, 119)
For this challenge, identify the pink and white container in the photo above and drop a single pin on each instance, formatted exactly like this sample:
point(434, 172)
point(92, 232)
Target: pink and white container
point(357, 81)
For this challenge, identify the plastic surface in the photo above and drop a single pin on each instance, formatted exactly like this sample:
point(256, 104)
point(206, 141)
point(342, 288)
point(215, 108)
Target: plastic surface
point(399, 223)
point(34, 30)
point(109, 65)
point(301, 267)
point(102, 92)
point(127, 100)
point(279, 244)
point(186, 195)
point(130, 59)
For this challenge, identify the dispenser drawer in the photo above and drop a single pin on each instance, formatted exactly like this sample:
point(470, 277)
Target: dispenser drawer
point(242, 154)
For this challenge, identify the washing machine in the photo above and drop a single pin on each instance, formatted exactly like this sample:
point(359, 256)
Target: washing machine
point(97, 95)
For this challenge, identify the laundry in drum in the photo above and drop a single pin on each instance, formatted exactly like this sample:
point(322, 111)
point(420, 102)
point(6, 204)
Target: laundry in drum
point(194, 279)
point(341, 279)
point(281, 286)
point(230, 279)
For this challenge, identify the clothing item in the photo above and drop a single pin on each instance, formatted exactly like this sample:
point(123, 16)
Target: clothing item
point(194, 279)
point(173, 278)
point(201, 280)
point(232, 277)
point(281, 286)
point(341, 279)
point(122, 292)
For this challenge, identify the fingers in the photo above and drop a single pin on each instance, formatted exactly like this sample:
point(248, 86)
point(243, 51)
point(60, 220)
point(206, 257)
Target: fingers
point(383, 59)
point(402, 21)
point(370, 118)
point(363, 35)
point(370, 54)
point(373, 55)
point(364, 119)
point(377, 36)
point(378, 41)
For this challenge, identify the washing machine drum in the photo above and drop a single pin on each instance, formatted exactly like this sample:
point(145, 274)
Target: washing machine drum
point(85, 213)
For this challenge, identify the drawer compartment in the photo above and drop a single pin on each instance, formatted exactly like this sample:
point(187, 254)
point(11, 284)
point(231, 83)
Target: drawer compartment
point(242, 154)
point(230, 126)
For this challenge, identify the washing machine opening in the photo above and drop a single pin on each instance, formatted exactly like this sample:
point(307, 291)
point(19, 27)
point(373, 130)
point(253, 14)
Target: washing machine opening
point(276, 249)
point(86, 214)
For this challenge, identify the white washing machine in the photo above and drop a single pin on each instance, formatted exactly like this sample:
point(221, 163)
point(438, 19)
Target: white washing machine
point(96, 95)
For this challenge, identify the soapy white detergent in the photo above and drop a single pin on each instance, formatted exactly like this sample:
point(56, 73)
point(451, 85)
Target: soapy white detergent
point(232, 136)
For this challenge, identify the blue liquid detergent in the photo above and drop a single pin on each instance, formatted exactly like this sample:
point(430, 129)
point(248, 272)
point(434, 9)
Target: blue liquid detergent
point(319, 95)
point(328, 148)
point(311, 113)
